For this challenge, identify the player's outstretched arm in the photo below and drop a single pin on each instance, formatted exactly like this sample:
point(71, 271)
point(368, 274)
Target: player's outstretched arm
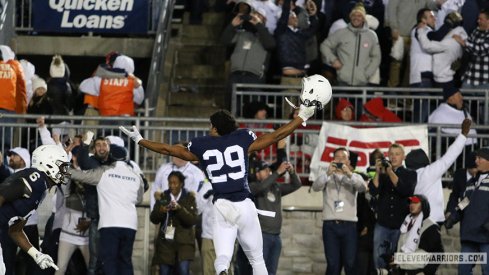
point(158, 147)
point(268, 139)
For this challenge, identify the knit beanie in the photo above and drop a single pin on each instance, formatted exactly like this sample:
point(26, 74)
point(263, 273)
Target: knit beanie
point(358, 8)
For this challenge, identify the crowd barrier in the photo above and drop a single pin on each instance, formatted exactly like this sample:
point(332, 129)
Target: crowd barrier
point(173, 130)
point(401, 101)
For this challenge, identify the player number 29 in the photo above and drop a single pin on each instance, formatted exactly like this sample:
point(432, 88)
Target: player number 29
point(226, 158)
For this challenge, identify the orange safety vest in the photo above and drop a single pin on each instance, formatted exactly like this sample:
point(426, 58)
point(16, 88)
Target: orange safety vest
point(91, 100)
point(8, 80)
point(116, 97)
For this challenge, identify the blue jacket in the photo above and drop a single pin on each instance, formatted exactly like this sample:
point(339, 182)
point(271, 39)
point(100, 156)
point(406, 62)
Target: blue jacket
point(475, 217)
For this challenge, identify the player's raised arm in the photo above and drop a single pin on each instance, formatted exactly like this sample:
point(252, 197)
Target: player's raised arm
point(268, 139)
point(162, 148)
point(316, 93)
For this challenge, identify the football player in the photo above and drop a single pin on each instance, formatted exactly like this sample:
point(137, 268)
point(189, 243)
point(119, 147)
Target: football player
point(223, 155)
point(22, 192)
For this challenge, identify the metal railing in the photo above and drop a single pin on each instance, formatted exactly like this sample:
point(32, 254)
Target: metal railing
point(172, 130)
point(401, 101)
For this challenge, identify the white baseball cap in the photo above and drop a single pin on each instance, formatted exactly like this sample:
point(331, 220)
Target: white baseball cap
point(23, 153)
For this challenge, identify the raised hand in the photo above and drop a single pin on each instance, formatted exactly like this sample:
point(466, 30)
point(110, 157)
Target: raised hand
point(134, 134)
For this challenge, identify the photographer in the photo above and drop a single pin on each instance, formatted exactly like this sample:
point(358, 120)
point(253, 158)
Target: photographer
point(474, 213)
point(340, 186)
point(391, 186)
point(251, 44)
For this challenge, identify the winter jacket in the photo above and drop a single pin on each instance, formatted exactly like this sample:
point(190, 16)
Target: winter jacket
point(357, 49)
point(182, 247)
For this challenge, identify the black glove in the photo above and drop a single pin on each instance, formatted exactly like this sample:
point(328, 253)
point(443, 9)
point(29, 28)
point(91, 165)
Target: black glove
point(453, 19)
point(208, 194)
point(451, 220)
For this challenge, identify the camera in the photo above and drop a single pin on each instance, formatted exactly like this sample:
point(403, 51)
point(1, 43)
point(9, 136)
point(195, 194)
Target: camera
point(245, 17)
point(338, 165)
point(385, 162)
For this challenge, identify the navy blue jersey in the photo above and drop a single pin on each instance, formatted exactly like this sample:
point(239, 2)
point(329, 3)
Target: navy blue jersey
point(22, 206)
point(224, 160)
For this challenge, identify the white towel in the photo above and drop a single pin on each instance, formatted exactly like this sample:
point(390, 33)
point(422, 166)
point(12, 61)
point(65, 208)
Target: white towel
point(413, 234)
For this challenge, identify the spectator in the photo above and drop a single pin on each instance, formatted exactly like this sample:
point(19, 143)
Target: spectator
point(117, 232)
point(74, 229)
point(474, 222)
point(340, 51)
point(29, 73)
point(252, 43)
point(477, 47)
point(13, 98)
point(446, 51)
point(401, 17)
point(447, 7)
point(419, 234)
point(452, 111)
point(375, 111)
point(461, 178)
point(271, 11)
point(194, 177)
point(340, 187)
point(291, 42)
point(391, 186)
point(421, 68)
point(429, 175)
point(40, 104)
point(344, 110)
point(116, 96)
point(59, 87)
point(176, 210)
point(268, 197)
point(101, 153)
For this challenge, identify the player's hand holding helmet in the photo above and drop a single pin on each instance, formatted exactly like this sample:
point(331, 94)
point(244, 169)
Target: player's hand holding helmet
point(42, 260)
point(134, 134)
point(52, 160)
point(316, 91)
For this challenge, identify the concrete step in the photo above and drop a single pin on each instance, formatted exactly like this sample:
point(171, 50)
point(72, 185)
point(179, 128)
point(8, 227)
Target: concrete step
point(192, 96)
point(201, 31)
point(198, 71)
point(201, 82)
point(205, 55)
point(196, 111)
point(209, 18)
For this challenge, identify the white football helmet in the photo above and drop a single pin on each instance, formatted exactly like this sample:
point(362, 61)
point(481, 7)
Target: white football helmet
point(316, 91)
point(52, 160)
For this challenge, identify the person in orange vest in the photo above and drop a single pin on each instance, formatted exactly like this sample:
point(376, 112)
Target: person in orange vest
point(13, 98)
point(113, 93)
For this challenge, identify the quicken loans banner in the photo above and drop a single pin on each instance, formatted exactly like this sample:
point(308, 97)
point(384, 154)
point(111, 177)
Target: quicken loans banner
point(98, 16)
point(363, 141)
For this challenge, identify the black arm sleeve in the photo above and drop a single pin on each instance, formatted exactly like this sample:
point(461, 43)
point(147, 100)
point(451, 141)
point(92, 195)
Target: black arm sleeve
point(14, 188)
point(4, 172)
point(440, 33)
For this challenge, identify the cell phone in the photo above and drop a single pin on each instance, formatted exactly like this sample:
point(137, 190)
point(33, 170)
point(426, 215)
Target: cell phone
point(245, 17)
point(338, 165)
